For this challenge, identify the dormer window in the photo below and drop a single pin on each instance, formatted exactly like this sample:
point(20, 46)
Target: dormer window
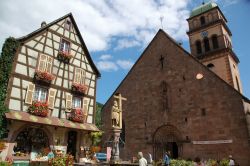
point(64, 46)
point(202, 20)
point(67, 25)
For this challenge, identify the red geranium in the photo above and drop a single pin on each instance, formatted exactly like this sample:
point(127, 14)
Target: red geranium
point(77, 115)
point(43, 75)
point(65, 54)
point(79, 87)
point(39, 108)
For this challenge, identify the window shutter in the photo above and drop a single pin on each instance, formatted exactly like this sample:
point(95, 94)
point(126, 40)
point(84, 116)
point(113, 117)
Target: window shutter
point(51, 98)
point(29, 93)
point(77, 78)
point(82, 77)
point(68, 103)
point(42, 62)
point(49, 64)
point(85, 106)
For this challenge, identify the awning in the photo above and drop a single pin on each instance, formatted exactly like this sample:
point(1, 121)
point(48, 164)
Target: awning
point(52, 121)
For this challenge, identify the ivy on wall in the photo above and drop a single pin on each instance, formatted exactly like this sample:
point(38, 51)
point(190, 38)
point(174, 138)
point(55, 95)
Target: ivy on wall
point(6, 60)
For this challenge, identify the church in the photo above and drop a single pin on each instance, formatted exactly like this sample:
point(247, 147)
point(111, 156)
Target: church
point(190, 104)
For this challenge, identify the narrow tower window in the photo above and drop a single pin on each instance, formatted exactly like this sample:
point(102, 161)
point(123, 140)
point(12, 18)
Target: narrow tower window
point(215, 42)
point(206, 44)
point(198, 46)
point(202, 20)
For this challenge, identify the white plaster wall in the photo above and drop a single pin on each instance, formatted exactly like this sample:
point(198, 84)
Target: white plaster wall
point(90, 119)
point(15, 105)
point(21, 69)
point(16, 81)
point(16, 92)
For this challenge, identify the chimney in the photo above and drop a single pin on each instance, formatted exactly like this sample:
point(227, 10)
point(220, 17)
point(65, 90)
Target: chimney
point(43, 24)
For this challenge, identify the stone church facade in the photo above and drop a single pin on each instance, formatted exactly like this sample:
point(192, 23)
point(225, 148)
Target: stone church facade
point(188, 104)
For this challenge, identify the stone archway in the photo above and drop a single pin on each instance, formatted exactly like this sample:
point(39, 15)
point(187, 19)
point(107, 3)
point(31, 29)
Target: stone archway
point(166, 138)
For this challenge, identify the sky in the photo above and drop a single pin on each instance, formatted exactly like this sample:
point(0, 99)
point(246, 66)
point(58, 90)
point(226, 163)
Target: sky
point(116, 32)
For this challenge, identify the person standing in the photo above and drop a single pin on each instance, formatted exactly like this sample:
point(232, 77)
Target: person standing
point(231, 161)
point(150, 160)
point(166, 159)
point(142, 160)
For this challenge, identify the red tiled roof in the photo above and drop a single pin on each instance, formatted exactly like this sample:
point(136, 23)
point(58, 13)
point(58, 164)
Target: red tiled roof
point(51, 121)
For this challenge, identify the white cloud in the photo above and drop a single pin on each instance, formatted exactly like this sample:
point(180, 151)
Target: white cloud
point(126, 43)
point(98, 21)
point(105, 57)
point(107, 66)
point(125, 64)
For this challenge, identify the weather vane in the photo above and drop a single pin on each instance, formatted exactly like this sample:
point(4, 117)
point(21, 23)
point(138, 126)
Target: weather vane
point(161, 19)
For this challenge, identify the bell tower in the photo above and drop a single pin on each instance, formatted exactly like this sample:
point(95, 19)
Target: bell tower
point(210, 42)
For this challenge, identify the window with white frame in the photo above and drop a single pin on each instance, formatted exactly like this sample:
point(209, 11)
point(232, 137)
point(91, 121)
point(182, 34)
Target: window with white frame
point(77, 102)
point(64, 46)
point(40, 94)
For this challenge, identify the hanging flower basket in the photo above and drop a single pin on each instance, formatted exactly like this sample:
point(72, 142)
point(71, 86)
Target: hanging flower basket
point(77, 115)
point(80, 88)
point(64, 56)
point(44, 76)
point(39, 109)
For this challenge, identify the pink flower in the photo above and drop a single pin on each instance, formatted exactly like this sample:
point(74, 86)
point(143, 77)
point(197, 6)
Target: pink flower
point(43, 75)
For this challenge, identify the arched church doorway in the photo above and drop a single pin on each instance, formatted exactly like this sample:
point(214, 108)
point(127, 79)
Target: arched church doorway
point(166, 139)
point(31, 139)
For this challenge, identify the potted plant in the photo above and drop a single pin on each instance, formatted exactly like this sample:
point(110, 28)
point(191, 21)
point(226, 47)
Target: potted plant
point(39, 108)
point(77, 115)
point(2, 146)
point(44, 76)
point(64, 160)
point(96, 139)
point(80, 88)
point(64, 56)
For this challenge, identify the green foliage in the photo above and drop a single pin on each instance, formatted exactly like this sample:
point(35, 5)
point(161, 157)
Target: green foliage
point(224, 162)
point(96, 137)
point(4, 163)
point(6, 60)
point(211, 162)
point(98, 114)
point(66, 160)
point(181, 163)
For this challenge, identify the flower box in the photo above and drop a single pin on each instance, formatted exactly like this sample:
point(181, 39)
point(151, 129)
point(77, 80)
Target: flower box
point(64, 56)
point(80, 88)
point(39, 109)
point(77, 115)
point(44, 76)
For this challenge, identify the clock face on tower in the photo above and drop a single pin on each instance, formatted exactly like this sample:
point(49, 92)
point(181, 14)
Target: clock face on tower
point(204, 34)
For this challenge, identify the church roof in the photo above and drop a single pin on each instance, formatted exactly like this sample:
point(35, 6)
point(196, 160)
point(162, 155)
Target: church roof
point(203, 8)
point(24, 38)
point(186, 52)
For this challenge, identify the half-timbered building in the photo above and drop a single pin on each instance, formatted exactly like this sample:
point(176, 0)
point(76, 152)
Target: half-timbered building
point(52, 91)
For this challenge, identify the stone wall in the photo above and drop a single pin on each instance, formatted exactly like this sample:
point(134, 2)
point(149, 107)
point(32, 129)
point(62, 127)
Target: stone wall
point(205, 109)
